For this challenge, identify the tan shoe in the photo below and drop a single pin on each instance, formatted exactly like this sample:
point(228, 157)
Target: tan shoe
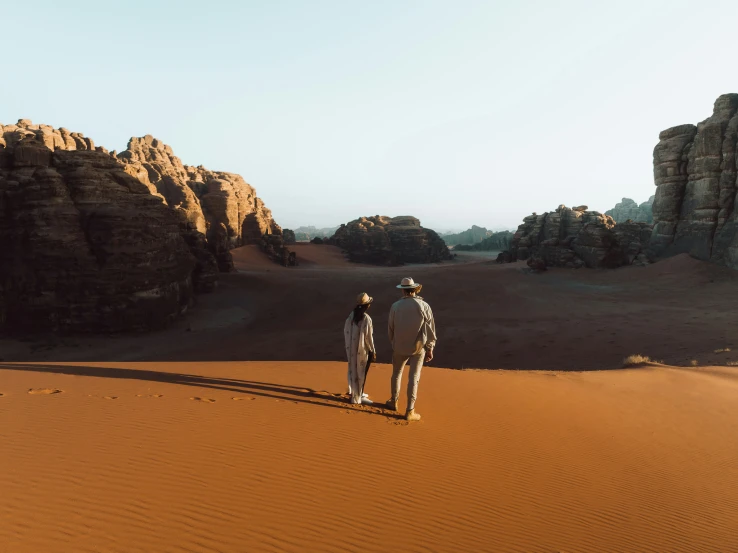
point(391, 404)
point(411, 416)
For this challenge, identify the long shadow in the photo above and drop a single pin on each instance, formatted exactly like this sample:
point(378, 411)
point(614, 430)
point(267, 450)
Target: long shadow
point(297, 394)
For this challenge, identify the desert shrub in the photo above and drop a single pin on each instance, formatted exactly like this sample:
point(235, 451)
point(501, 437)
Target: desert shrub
point(633, 360)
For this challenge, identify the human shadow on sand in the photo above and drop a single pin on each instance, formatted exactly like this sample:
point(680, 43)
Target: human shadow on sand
point(282, 392)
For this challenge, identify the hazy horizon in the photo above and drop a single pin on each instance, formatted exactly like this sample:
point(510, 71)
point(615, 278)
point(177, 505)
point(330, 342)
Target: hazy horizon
point(456, 113)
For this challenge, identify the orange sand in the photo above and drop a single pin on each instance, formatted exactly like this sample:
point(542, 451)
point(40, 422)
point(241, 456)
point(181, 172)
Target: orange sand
point(242, 456)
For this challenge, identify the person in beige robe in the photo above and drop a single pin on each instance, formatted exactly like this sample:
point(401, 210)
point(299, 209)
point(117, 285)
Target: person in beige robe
point(358, 334)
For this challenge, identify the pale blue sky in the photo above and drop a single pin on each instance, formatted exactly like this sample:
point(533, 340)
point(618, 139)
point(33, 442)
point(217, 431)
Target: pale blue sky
point(457, 112)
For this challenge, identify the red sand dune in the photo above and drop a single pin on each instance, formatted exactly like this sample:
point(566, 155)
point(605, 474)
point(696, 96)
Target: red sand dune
point(244, 457)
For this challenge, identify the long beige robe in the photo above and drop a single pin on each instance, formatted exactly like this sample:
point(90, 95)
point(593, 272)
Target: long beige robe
point(359, 340)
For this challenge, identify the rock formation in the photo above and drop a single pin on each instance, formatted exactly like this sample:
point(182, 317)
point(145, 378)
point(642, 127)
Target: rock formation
point(84, 246)
point(497, 241)
point(628, 209)
point(288, 236)
point(91, 240)
point(389, 241)
point(473, 235)
point(221, 205)
point(695, 175)
point(579, 238)
point(275, 248)
point(306, 234)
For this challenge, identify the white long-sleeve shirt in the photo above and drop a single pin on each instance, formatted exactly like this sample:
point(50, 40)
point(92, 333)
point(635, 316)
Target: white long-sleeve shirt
point(411, 326)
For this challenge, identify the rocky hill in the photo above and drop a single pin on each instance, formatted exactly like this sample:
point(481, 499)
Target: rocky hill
point(390, 241)
point(496, 241)
point(695, 174)
point(473, 235)
point(305, 234)
point(580, 238)
point(628, 209)
point(93, 241)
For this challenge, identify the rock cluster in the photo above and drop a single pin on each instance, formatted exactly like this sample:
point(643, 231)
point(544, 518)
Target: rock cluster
point(275, 248)
point(628, 209)
point(389, 241)
point(579, 238)
point(695, 175)
point(84, 246)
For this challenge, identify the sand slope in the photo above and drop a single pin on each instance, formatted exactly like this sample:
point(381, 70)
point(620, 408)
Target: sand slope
point(122, 458)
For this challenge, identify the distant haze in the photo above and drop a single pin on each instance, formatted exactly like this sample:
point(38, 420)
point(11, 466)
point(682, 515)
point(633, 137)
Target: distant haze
point(459, 113)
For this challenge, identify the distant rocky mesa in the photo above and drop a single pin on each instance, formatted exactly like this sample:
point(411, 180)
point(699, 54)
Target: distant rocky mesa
point(94, 241)
point(578, 237)
point(389, 241)
point(496, 241)
point(695, 175)
point(471, 236)
point(305, 234)
point(628, 209)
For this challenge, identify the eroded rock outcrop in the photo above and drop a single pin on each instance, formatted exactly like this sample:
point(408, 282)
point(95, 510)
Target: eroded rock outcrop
point(579, 238)
point(221, 205)
point(390, 241)
point(695, 175)
point(629, 210)
point(84, 246)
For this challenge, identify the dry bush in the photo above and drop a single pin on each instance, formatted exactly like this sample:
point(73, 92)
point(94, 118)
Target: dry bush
point(722, 350)
point(633, 360)
point(732, 363)
point(693, 362)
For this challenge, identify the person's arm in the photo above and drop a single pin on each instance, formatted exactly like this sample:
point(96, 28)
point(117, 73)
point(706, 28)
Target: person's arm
point(347, 337)
point(430, 325)
point(369, 339)
point(391, 325)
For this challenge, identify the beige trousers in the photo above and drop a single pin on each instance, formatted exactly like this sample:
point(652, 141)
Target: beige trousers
point(398, 364)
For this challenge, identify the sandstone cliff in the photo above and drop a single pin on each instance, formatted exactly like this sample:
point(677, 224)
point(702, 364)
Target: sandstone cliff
point(390, 241)
point(85, 246)
point(628, 209)
point(221, 205)
point(695, 175)
point(579, 238)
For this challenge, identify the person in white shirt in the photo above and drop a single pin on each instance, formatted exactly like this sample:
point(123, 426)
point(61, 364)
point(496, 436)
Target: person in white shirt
point(412, 332)
point(358, 334)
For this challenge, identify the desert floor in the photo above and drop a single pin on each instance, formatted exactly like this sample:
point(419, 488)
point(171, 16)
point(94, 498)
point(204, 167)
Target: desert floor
point(227, 431)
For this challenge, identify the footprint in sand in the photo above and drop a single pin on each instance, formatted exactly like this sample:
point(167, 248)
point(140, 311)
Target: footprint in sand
point(203, 399)
point(1, 394)
point(110, 397)
point(44, 391)
point(149, 395)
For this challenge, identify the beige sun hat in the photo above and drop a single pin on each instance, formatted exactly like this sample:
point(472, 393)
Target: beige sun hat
point(408, 284)
point(364, 299)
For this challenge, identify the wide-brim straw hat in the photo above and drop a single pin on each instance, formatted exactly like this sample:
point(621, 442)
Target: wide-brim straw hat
point(364, 299)
point(408, 284)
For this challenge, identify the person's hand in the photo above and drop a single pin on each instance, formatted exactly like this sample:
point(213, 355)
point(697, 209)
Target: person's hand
point(429, 355)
